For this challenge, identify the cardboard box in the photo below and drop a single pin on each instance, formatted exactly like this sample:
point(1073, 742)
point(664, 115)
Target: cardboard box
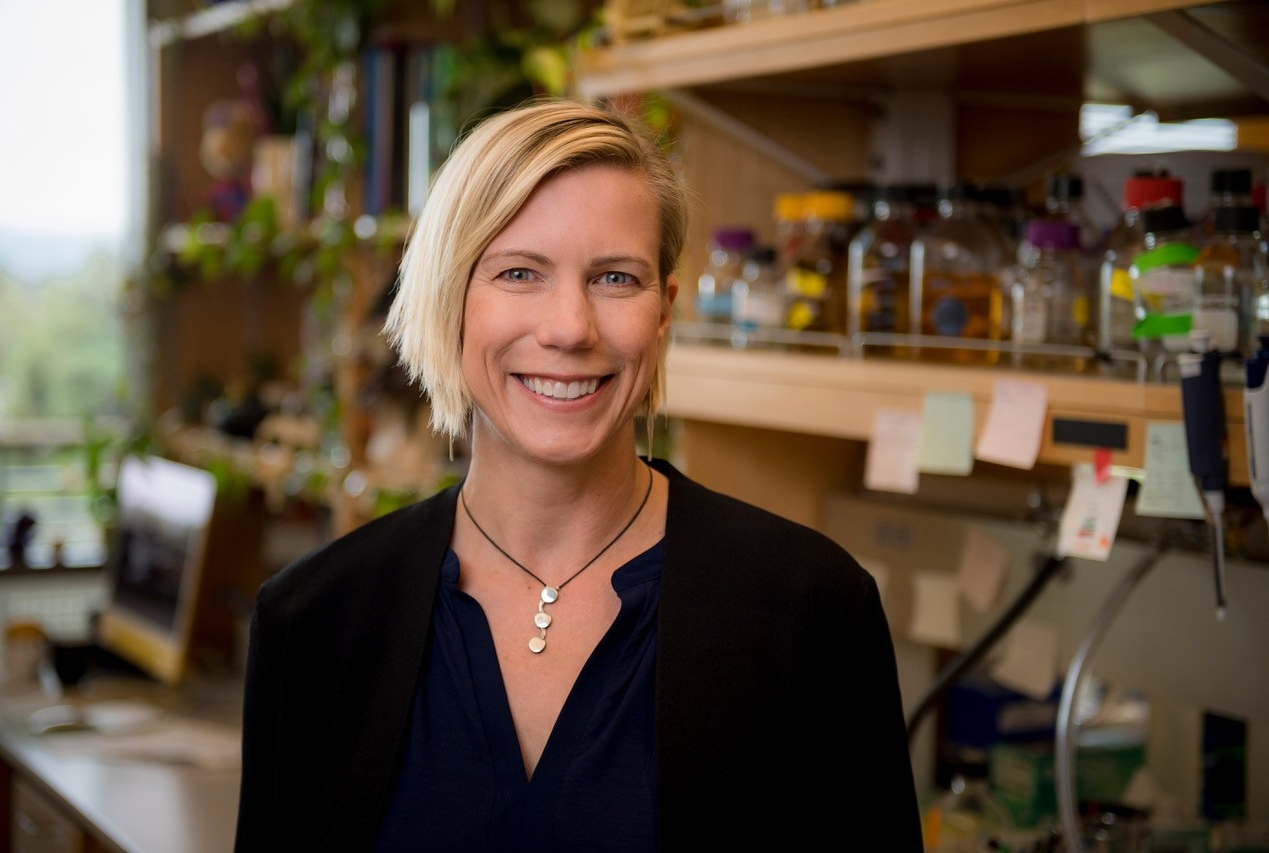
point(1023, 776)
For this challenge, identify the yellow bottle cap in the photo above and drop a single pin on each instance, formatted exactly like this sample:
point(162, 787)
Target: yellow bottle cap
point(788, 206)
point(828, 204)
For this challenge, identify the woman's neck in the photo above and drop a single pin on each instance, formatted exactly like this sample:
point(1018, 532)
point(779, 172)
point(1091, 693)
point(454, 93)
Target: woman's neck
point(541, 510)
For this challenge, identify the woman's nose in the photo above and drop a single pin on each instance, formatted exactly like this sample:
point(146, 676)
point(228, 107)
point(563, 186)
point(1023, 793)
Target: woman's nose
point(568, 320)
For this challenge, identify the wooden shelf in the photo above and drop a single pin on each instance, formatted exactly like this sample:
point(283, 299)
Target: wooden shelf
point(839, 397)
point(214, 19)
point(1042, 49)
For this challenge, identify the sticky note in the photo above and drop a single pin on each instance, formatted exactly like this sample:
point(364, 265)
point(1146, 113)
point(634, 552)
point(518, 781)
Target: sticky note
point(1091, 517)
point(1015, 423)
point(1168, 489)
point(891, 462)
point(1029, 662)
point(946, 444)
point(983, 566)
point(936, 610)
point(879, 570)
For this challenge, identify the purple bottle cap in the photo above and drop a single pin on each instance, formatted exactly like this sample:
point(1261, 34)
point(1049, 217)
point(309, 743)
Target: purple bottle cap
point(1053, 234)
point(734, 239)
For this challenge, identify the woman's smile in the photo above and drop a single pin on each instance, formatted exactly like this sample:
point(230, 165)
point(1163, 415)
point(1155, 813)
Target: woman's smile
point(560, 389)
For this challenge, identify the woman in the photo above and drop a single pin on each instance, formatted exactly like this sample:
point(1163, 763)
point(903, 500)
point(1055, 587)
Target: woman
point(572, 649)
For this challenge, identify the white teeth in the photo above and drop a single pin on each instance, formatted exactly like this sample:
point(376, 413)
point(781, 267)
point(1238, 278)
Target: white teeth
point(560, 390)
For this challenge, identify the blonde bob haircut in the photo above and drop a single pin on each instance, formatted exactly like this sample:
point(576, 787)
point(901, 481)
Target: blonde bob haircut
point(484, 182)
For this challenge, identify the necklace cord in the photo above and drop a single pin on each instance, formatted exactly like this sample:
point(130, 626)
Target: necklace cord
point(462, 498)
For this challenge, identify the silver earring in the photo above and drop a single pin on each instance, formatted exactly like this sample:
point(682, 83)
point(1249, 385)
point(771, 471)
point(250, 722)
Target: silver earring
point(650, 421)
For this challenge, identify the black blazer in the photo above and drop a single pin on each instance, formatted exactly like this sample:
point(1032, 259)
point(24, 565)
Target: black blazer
point(778, 716)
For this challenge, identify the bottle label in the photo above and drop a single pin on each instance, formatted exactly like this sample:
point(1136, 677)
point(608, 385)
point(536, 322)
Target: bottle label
point(880, 300)
point(760, 310)
point(1121, 285)
point(1034, 324)
point(1080, 312)
point(714, 308)
point(1219, 315)
point(802, 315)
point(950, 316)
point(1167, 290)
point(1160, 326)
point(806, 282)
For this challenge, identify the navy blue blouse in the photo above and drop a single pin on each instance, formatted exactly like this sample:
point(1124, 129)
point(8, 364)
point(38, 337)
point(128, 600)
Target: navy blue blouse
point(462, 783)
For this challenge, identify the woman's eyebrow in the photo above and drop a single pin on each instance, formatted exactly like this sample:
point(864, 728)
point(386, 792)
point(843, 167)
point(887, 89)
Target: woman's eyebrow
point(604, 260)
point(524, 254)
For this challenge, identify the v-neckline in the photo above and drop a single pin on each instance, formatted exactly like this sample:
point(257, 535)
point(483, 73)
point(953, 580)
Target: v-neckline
point(494, 705)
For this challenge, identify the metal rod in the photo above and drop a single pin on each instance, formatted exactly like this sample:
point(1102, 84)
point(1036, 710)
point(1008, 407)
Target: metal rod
point(1081, 665)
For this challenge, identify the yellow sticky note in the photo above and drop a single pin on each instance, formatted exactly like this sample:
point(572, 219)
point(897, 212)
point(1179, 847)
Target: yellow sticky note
point(946, 445)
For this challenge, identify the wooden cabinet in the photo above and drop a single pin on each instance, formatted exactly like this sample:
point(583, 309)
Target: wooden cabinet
point(774, 104)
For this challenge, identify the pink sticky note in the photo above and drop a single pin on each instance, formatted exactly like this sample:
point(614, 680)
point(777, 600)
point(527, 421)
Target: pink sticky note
point(1015, 423)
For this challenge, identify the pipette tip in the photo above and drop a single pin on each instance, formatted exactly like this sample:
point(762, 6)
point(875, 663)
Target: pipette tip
point(1220, 613)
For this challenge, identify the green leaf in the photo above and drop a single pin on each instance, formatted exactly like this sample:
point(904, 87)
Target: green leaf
point(548, 68)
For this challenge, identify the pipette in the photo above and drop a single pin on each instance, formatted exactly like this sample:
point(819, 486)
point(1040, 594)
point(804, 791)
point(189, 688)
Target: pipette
point(1203, 407)
point(1256, 418)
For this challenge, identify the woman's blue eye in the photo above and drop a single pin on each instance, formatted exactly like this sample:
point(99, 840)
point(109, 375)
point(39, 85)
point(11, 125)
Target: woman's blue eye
point(617, 278)
point(518, 274)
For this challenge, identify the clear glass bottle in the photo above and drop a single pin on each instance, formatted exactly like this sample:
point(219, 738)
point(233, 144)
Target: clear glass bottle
point(789, 228)
point(1116, 307)
point(1051, 301)
point(1163, 282)
point(1064, 200)
point(816, 279)
point(969, 818)
point(727, 250)
point(878, 265)
point(759, 299)
point(1230, 273)
point(955, 279)
point(744, 11)
point(1227, 188)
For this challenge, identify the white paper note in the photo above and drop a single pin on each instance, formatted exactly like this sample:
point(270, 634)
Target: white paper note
point(1091, 517)
point(946, 445)
point(879, 570)
point(1168, 489)
point(1015, 423)
point(984, 564)
point(891, 463)
point(936, 610)
point(1029, 662)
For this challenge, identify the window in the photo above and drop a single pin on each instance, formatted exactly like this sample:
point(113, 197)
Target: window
point(71, 230)
point(1115, 129)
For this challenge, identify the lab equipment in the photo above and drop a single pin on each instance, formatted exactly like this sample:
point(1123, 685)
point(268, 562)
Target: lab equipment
point(1256, 419)
point(1203, 408)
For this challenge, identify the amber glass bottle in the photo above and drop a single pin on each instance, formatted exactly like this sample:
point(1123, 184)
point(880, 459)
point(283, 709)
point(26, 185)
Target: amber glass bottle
point(955, 280)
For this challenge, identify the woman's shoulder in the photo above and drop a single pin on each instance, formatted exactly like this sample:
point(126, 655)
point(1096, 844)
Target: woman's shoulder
point(764, 560)
point(716, 514)
point(386, 545)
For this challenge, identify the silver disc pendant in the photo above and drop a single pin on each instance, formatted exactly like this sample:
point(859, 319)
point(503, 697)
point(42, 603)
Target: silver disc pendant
point(542, 619)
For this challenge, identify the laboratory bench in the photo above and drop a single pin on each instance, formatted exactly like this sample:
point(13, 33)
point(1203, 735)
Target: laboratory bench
point(167, 783)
